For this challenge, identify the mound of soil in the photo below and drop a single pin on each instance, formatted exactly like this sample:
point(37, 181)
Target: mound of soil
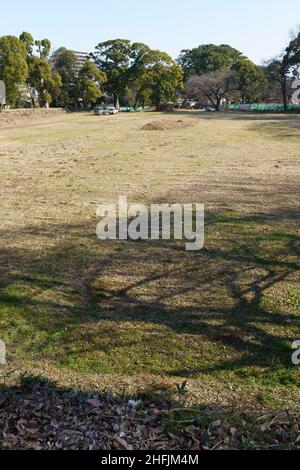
point(166, 124)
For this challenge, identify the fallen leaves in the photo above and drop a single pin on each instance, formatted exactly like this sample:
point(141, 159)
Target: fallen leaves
point(53, 419)
point(94, 402)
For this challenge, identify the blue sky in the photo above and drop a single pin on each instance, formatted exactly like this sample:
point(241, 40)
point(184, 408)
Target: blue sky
point(259, 28)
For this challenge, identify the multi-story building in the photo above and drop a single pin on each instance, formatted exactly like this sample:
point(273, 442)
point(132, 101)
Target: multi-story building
point(81, 57)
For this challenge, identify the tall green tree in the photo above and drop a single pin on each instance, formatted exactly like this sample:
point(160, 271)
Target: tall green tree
point(122, 63)
point(153, 75)
point(13, 66)
point(208, 58)
point(279, 71)
point(64, 63)
point(290, 60)
point(41, 77)
point(161, 80)
point(44, 80)
point(28, 41)
point(88, 85)
point(44, 47)
point(252, 80)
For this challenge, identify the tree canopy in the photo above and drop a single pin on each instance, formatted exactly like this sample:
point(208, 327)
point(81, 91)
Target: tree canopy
point(208, 58)
point(41, 77)
point(153, 75)
point(279, 70)
point(131, 72)
point(13, 66)
point(88, 86)
point(64, 62)
point(252, 80)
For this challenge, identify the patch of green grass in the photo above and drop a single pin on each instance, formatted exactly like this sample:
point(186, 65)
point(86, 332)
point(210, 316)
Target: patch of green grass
point(236, 327)
point(293, 297)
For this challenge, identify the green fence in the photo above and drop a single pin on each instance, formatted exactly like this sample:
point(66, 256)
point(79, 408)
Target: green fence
point(128, 109)
point(266, 107)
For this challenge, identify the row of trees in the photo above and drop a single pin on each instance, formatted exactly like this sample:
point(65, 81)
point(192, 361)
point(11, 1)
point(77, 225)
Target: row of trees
point(217, 73)
point(214, 73)
point(128, 72)
point(282, 71)
point(137, 74)
point(134, 74)
point(25, 62)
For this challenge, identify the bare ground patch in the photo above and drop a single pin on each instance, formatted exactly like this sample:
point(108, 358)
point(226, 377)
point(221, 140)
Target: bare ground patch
point(12, 117)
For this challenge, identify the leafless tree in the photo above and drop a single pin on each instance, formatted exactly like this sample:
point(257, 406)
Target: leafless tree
point(213, 87)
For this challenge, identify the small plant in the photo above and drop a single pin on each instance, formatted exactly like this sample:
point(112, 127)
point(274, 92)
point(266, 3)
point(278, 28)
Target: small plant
point(29, 381)
point(182, 389)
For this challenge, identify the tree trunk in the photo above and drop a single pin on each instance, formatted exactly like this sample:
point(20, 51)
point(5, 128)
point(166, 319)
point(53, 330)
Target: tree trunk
point(284, 94)
point(31, 97)
point(117, 102)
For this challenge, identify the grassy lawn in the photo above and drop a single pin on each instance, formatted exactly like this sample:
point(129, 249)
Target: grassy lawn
point(223, 318)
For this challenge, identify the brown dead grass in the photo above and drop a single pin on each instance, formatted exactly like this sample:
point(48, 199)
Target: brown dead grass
point(13, 117)
point(142, 305)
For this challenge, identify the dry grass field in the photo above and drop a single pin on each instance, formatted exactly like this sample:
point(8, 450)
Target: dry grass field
point(137, 315)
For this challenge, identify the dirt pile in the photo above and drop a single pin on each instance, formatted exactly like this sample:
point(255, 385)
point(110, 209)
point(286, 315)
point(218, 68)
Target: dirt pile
point(167, 124)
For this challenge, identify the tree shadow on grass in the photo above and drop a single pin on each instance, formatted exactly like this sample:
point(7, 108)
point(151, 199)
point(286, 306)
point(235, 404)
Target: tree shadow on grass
point(62, 300)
